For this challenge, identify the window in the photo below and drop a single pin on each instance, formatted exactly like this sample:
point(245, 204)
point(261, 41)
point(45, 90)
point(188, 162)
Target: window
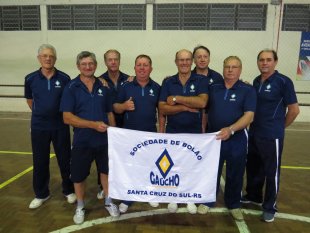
point(20, 18)
point(296, 17)
point(97, 17)
point(210, 17)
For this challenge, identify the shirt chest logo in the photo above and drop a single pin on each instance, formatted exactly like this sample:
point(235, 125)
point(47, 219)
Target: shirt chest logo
point(151, 92)
point(192, 88)
point(233, 97)
point(57, 84)
point(211, 81)
point(268, 88)
point(100, 92)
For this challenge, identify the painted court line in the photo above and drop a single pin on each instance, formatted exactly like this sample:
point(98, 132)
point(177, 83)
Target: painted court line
point(296, 168)
point(15, 152)
point(14, 119)
point(14, 178)
point(241, 225)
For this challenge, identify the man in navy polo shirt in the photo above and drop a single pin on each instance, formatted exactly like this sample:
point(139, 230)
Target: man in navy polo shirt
point(114, 78)
point(86, 105)
point(182, 99)
point(277, 108)
point(202, 60)
point(138, 101)
point(43, 91)
point(231, 109)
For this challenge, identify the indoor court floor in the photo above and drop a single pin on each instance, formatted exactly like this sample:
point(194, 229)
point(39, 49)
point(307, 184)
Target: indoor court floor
point(55, 215)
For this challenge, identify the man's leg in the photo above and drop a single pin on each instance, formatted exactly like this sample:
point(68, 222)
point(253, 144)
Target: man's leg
point(102, 162)
point(80, 167)
point(254, 173)
point(40, 140)
point(61, 143)
point(41, 157)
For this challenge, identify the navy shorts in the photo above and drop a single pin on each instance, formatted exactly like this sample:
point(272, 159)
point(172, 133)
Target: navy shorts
point(82, 158)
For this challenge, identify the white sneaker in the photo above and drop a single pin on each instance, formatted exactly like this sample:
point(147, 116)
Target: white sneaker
point(112, 209)
point(154, 204)
point(37, 202)
point(191, 208)
point(123, 208)
point(203, 209)
point(172, 207)
point(100, 194)
point(236, 214)
point(71, 198)
point(78, 218)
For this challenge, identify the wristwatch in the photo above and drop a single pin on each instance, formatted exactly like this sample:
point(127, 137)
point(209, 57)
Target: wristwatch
point(232, 132)
point(174, 99)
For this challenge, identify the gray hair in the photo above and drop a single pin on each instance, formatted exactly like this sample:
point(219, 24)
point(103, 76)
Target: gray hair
point(112, 51)
point(47, 46)
point(85, 54)
point(233, 58)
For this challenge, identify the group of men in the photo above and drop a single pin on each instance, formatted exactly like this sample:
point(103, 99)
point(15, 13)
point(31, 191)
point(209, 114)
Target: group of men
point(191, 101)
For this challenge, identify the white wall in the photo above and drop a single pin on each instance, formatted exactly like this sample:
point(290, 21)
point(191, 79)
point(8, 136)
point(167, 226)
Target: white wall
point(19, 48)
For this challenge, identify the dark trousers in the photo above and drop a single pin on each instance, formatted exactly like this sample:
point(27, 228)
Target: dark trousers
point(263, 168)
point(41, 140)
point(233, 152)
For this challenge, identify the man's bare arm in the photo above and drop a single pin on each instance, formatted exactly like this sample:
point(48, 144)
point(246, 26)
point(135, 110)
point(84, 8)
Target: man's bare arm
point(75, 121)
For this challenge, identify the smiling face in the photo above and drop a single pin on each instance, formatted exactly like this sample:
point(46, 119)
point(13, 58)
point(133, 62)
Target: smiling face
point(184, 61)
point(47, 59)
point(266, 63)
point(201, 58)
point(143, 69)
point(87, 67)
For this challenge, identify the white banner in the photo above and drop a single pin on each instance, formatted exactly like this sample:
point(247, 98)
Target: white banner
point(157, 167)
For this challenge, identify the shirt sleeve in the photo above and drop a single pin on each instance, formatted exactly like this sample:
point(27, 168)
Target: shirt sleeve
point(289, 96)
point(163, 91)
point(67, 102)
point(250, 100)
point(27, 88)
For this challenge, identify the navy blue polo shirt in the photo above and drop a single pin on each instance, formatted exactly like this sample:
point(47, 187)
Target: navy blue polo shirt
point(184, 122)
point(144, 117)
point(114, 90)
point(273, 96)
point(213, 76)
point(45, 94)
point(226, 106)
point(92, 106)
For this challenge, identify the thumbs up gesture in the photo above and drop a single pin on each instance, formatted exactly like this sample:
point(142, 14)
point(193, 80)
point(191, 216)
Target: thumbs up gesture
point(129, 104)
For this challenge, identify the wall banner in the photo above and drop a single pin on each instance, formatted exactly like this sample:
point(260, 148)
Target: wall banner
point(303, 68)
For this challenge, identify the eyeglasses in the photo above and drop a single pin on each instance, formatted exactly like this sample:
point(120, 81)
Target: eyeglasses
point(45, 56)
point(90, 64)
